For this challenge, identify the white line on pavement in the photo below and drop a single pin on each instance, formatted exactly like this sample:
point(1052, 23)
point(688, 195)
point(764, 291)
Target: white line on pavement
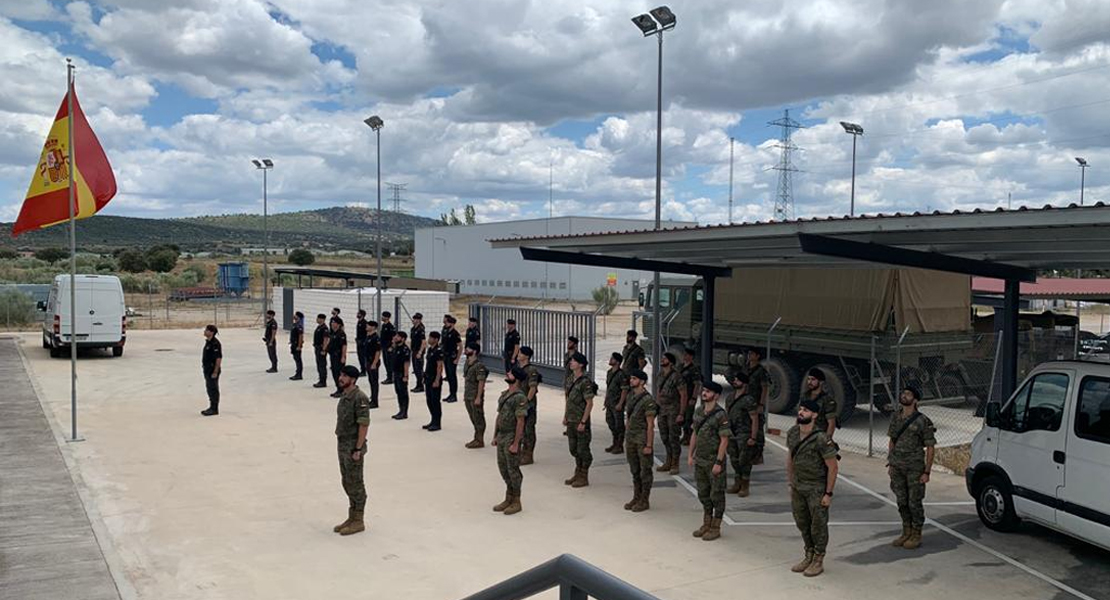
point(831, 523)
point(962, 503)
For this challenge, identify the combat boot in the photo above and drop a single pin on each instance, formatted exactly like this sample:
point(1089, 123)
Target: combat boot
point(573, 478)
point(350, 513)
point(674, 466)
point(356, 525)
point(734, 488)
point(514, 506)
point(705, 522)
point(901, 540)
point(914, 541)
point(583, 479)
point(745, 488)
point(643, 504)
point(618, 446)
point(816, 567)
point(666, 466)
point(635, 499)
point(802, 566)
point(713, 532)
point(504, 503)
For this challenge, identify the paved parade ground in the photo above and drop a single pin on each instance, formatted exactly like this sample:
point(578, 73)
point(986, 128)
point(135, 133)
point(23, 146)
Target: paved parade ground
point(242, 505)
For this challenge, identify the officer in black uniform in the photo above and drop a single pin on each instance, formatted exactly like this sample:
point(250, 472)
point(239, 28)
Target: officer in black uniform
point(211, 363)
point(337, 351)
point(373, 360)
point(399, 373)
point(296, 343)
point(360, 341)
point(433, 380)
point(270, 337)
point(473, 333)
point(416, 341)
point(388, 330)
point(512, 344)
point(452, 349)
point(320, 339)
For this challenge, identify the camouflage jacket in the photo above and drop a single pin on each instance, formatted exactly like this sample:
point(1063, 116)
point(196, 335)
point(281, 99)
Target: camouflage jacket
point(510, 406)
point(638, 409)
point(709, 429)
point(909, 449)
point(474, 373)
point(810, 472)
point(616, 382)
point(581, 391)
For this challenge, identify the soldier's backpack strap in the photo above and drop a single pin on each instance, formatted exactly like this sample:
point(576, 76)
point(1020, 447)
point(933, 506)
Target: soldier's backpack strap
point(705, 419)
point(794, 452)
point(637, 400)
point(905, 426)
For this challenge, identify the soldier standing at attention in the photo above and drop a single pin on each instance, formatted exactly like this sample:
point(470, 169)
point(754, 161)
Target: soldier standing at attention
point(909, 462)
point(270, 337)
point(691, 378)
point(373, 360)
point(352, 423)
point(474, 333)
point(416, 342)
point(388, 330)
point(758, 387)
point(296, 344)
point(632, 356)
point(474, 394)
point(531, 386)
point(670, 392)
point(744, 413)
point(811, 469)
point(576, 420)
point(616, 392)
point(452, 349)
point(707, 454)
point(398, 372)
point(334, 315)
point(360, 341)
point(828, 409)
point(511, 352)
point(433, 381)
point(211, 362)
point(320, 348)
point(337, 351)
point(639, 437)
point(508, 432)
point(568, 372)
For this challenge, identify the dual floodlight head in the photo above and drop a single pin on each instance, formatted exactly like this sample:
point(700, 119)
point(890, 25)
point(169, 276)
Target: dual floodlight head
point(659, 20)
point(851, 128)
point(265, 163)
point(375, 122)
point(1082, 161)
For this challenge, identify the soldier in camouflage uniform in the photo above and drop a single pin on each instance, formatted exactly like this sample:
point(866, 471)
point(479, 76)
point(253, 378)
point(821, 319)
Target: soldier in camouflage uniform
point(909, 462)
point(576, 420)
point(671, 389)
point(639, 438)
point(616, 392)
point(707, 454)
point(474, 394)
point(568, 372)
point(691, 379)
point(352, 423)
point(811, 468)
point(531, 387)
point(512, 407)
point(745, 413)
point(632, 356)
point(814, 387)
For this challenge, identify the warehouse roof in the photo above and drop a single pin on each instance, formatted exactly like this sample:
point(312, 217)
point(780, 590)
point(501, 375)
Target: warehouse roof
point(1050, 289)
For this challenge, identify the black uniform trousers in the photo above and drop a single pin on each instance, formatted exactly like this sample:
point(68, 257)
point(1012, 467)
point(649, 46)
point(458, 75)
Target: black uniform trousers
point(387, 358)
point(361, 349)
point(297, 361)
point(321, 365)
point(336, 366)
point(432, 395)
point(271, 350)
point(418, 370)
point(212, 386)
point(402, 391)
point(372, 378)
point(451, 371)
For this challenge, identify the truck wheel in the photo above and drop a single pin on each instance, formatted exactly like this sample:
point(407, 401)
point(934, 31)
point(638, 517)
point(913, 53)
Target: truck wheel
point(995, 504)
point(836, 382)
point(117, 350)
point(45, 344)
point(782, 379)
point(55, 352)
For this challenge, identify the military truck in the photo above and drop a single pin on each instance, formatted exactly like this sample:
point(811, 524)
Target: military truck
point(828, 319)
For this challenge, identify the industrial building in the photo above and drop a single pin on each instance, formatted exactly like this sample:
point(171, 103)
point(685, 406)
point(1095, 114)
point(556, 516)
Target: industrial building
point(462, 253)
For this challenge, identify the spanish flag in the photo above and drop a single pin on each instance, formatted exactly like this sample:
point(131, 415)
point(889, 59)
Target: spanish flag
point(94, 184)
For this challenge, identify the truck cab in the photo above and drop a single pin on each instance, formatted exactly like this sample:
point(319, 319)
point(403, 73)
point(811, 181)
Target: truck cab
point(1044, 454)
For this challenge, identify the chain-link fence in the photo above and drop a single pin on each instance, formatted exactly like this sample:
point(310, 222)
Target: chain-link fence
point(18, 309)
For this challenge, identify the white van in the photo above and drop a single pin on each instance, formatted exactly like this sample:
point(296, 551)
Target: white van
point(1044, 455)
point(101, 315)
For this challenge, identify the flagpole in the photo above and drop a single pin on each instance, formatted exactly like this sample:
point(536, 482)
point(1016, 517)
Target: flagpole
point(72, 257)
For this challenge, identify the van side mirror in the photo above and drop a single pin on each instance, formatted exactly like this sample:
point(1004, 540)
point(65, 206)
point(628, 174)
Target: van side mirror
point(993, 418)
point(40, 306)
point(642, 298)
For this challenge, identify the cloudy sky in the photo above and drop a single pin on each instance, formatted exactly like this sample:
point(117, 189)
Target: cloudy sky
point(964, 104)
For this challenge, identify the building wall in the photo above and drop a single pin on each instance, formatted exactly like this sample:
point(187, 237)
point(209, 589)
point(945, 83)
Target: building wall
point(463, 253)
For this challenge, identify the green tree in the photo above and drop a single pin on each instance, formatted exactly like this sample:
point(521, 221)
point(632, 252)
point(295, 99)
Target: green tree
point(450, 219)
point(470, 215)
point(301, 257)
point(606, 298)
point(161, 260)
point(131, 261)
point(51, 255)
point(8, 253)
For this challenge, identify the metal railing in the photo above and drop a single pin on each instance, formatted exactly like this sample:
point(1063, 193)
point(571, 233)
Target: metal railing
point(544, 330)
point(575, 578)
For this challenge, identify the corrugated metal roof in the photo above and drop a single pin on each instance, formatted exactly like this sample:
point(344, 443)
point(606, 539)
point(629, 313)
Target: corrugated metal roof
point(1048, 289)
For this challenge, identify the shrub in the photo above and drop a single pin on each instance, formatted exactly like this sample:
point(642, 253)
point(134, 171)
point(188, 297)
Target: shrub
point(131, 261)
point(51, 255)
point(8, 254)
point(301, 257)
point(161, 260)
point(606, 298)
point(16, 308)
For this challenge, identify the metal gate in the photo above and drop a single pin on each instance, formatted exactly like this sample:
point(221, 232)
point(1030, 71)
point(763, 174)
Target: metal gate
point(545, 331)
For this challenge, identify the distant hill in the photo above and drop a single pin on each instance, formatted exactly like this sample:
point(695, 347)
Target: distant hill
point(328, 228)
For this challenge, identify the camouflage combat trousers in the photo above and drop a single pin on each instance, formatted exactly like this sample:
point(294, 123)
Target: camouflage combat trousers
point(643, 475)
point(742, 456)
point(669, 431)
point(688, 419)
point(811, 518)
point(509, 465)
point(615, 420)
point(711, 489)
point(477, 416)
point(529, 440)
point(350, 473)
point(579, 442)
point(910, 493)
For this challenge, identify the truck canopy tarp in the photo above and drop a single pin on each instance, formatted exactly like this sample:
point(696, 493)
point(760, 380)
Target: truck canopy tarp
point(847, 299)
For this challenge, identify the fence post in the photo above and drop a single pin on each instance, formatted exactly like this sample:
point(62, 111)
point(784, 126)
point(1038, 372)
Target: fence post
point(150, 303)
point(871, 404)
point(898, 364)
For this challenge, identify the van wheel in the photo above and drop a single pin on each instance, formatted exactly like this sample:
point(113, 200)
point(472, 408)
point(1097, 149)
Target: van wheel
point(117, 350)
point(45, 344)
point(782, 379)
point(55, 352)
point(995, 504)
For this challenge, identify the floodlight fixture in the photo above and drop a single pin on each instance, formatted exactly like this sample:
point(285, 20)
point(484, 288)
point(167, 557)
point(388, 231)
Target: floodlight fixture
point(375, 122)
point(664, 16)
point(646, 24)
point(1082, 161)
point(851, 128)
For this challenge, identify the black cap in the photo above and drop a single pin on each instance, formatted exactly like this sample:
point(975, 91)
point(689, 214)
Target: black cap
point(757, 350)
point(632, 332)
point(452, 320)
point(299, 314)
point(740, 376)
point(571, 338)
point(526, 351)
point(212, 328)
point(321, 316)
point(474, 347)
point(638, 374)
point(511, 321)
point(687, 350)
point(580, 358)
point(386, 313)
point(270, 313)
point(418, 316)
point(616, 356)
point(350, 371)
point(669, 356)
point(473, 319)
point(817, 374)
point(913, 390)
point(361, 313)
point(337, 321)
point(371, 323)
point(518, 374)
point(433, 335)
point(712, 386)
point(810, 405)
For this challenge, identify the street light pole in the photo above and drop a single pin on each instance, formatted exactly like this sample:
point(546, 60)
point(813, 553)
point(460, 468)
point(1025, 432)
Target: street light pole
point(731, 157)
point(855, 131)
point(375, 122)
point(265, 165)
point(1078, 272)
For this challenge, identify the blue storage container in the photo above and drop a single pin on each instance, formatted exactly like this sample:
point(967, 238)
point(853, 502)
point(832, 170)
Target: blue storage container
point(234, 279)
